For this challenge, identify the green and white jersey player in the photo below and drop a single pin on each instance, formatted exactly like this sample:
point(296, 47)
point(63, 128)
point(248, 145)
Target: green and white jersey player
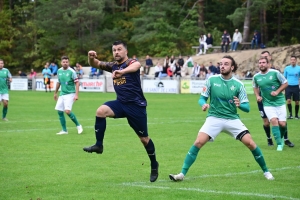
point(226, 94)
point(5, 76)
point(271, 83)
point(69, 83)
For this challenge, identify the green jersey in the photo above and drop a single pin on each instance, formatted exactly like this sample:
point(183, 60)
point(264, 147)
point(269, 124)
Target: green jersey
point(267, 83)
point(221, 93)
point(67, 79)
point(4, 76)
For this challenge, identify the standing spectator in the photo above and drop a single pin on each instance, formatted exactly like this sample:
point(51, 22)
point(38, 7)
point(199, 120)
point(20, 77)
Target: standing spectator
point(209, 41)
point(149, 64)
point(157, 69)
point(47, 76)
point(225, 41)
point(236, 39)
point(69, 83)
point(255, 40)
point(189, 61)
point(268, 86)
point(130, 102)
point(212, 68)
point(5, 76)
point(180, 61)
point(202, 44)
point(22, 74)
point(223, 117)
point(32, 74)
point(53, 68)
point(292, 74)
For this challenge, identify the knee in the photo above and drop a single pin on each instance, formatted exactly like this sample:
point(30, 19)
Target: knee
point(104, 111)
point(67, 112)
point(144, 140)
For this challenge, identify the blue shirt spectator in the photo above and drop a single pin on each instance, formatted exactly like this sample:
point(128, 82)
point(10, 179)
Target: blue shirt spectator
point(46, 72)
point(53, 68)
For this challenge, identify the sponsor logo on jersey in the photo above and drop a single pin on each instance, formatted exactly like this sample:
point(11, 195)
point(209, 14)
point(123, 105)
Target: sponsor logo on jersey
point(218, 85)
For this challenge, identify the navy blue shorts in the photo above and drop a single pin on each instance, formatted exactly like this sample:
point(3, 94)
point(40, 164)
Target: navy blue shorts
point(261, 110)
point(136, 115)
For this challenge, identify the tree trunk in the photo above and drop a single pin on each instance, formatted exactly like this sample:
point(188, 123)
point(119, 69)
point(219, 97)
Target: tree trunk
point(247, 21)
point(201, 16)
point(265, 26)
point(279, 23)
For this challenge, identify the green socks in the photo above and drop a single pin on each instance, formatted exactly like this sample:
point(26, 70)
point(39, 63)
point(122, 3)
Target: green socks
point(4, 112)
point(283, 131)
point(73, 118)
point(189, 159)
point(277, 135)
point(62, 120)
point(258, 156)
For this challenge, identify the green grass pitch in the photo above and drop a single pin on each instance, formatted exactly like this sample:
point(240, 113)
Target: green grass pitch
point(38, 164)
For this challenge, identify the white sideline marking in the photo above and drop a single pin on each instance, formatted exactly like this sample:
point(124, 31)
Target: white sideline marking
point(142, 184)
point(214, 191)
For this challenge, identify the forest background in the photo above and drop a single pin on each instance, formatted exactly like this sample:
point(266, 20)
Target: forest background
point(34, 32)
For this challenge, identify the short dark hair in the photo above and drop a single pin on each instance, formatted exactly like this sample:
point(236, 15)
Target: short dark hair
point(264, 58)
point(265, 52)
point(64, 58)
point(233, 63)
point(120, 42)
point(293, 56)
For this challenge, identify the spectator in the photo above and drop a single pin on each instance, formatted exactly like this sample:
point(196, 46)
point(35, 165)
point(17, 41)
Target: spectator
point(236, 39)
point(209, 73)
point(157, 69)
point(203, 68)
point(202, 75)
point(225, 41)
point(209, 41)
point(218, 68)
point(248, 75)
point(255, 40)
point(94, 72)
point(203, 44)
point(180, 61)
point(149, 64)
point(184, 71)
point(47, 76)
point(212, 68)
point(164, 73)
point(79, 72)
point(134, 57)
point(22, 74)
point(189, 61)
point(177, 71)
point(53, 68)
point(195, 71)
point(32, 74)
point(172, 62)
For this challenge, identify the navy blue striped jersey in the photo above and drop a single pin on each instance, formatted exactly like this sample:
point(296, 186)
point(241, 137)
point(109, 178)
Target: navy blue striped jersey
point(128, 87)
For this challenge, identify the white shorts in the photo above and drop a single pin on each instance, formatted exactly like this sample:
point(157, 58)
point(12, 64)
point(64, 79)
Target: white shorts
point(213, 126)
point(65, 102)
point(276, 112)
point(4, 97)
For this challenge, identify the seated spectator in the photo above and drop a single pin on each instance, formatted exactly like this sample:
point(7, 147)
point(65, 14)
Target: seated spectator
point(172, 63)
point(202, 75)
point(203, 68)
point(134, 57)
point(163, 73)
point(32, 74)
point(157, 69)
point(149, 64)
point(236, 39)
point(170, 72)
point(53, 68)
point(184, 71)
point(209, 73)
point(212, 68)
point(209, 40)
point(177, 71)
point(218, 68)
point(255, 40)
point(225, 41)
point(79, 71)
point(248, 75)
point(203, 44)
point(195, 71)
point(94, 72)
point(22, 74)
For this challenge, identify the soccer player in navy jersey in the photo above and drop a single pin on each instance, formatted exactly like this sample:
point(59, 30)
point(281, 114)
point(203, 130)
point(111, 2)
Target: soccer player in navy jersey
point(130, 102)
